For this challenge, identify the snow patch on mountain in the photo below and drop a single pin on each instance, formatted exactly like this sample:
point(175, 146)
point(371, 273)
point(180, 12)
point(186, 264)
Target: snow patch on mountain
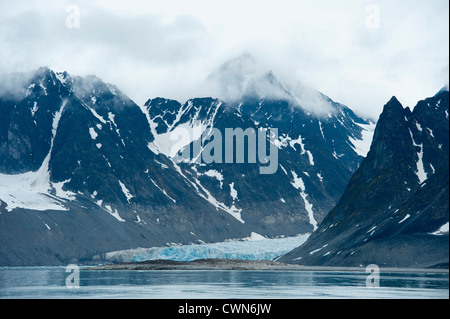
point(125, 191)
point(299, 184)
point(172, 142)
point(213, 173)
point(63, 77)
point(33, 190)
point(233, 192)
point(93, 133)
point(100, 118)
point(404, 218)
point(317, 250)
point(232, 210)
point(113, 212)
point(441, 231)
point(163, 191)
point(420, 172)
point(34, 109)
point(362, 146)
point(58, 187)
point(285, 140)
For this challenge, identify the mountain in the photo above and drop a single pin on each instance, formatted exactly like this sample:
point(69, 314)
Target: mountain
point(85, 171)
point(316, 154)
point(395, 209)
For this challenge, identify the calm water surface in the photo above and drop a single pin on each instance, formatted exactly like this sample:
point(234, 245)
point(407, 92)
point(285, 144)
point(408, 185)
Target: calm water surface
point(50, 282)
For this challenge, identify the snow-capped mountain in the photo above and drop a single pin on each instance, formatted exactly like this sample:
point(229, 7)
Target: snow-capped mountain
point(84, 170)
point(395, 209)
point(316, 155)
point(244, 77)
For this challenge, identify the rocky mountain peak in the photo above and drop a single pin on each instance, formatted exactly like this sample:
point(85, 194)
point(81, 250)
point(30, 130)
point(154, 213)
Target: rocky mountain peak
point(396, 203)
point(109, 163)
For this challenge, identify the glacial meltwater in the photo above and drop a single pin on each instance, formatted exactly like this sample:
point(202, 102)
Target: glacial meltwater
point(55, 282)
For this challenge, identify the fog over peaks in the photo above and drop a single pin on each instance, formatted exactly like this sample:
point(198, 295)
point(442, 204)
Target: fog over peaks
point(244, 77)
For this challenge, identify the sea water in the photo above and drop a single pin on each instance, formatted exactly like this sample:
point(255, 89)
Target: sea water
point(50, 282)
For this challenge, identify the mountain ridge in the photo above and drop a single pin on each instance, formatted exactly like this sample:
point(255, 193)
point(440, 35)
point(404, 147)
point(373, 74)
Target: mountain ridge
point(397, 201)
point(77, 151)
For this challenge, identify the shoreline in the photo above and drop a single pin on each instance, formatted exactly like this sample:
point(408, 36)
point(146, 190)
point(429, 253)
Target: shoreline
point(246, 265)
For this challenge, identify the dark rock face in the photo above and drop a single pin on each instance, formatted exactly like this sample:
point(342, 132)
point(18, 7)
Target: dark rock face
point(396, 202)
point(83, 171)
point(303, 152)
point(26, 123)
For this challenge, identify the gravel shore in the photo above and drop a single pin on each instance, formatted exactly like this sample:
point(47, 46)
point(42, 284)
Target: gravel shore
point(237, 264)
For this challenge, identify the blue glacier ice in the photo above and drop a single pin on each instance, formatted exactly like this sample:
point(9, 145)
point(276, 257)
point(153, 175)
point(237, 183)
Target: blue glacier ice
point(255, 247)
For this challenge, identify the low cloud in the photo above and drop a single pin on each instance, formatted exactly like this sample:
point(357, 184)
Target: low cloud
point(244, 76)
point(169, 48)
point(135, 52)
point(13, 85)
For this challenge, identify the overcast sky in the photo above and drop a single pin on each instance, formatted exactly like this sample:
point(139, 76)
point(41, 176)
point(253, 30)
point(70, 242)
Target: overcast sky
point(358, 52)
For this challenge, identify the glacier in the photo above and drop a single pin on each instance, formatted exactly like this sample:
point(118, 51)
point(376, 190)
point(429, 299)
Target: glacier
point(255, 247)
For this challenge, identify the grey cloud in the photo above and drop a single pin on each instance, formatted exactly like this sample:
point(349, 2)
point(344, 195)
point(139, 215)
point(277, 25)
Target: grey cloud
point(323, 44)
point(245, 76)
point(13, 85)
point(143, 37)
point(35, 35)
